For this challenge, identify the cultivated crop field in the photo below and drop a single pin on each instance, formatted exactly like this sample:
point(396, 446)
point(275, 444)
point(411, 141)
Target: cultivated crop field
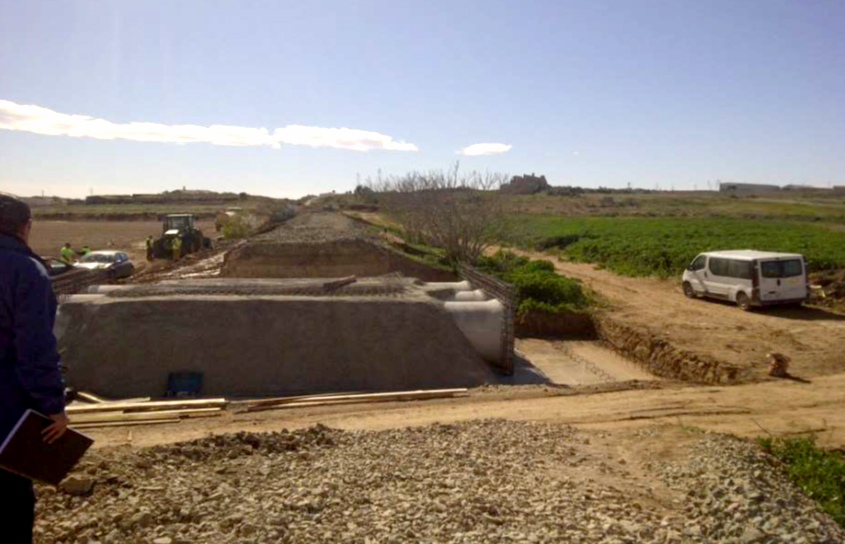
point(664, 246)
point(686, 203)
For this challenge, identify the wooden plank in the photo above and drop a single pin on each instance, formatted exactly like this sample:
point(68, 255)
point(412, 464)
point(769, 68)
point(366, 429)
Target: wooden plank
point(362, 399)
point(84, 426)
point(90, 397)
point(395, 395)
point(149, 406)
point(163, 414)
point(295, 398)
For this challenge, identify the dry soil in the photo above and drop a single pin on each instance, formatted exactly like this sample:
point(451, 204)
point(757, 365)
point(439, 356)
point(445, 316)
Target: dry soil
point(813, 338)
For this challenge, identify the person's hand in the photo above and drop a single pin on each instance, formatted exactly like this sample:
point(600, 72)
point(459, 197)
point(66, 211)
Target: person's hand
point(55, 430)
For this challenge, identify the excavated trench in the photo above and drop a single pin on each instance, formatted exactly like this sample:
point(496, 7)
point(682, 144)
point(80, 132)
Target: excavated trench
point(601, 330)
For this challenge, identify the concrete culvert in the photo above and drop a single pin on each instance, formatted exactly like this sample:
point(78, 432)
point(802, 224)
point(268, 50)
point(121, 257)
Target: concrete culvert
point(249, 342)
point(481, 323)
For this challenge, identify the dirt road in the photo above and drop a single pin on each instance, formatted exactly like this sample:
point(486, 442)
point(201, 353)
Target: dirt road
point(813, 338)
point(780, 408)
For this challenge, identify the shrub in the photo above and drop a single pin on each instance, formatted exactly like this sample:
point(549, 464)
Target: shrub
point(821, 474)
point(236, 227)
point(538, 286)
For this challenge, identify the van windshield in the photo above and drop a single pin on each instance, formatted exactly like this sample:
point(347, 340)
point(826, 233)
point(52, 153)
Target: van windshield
point(781, 269)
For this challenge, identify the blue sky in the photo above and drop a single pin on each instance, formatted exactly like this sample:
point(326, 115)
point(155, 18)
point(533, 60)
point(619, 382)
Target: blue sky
point(647, 92)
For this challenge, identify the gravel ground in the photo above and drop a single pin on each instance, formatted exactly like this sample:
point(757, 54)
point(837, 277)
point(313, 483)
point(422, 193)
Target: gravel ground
point(481, 481)
point(315, 228)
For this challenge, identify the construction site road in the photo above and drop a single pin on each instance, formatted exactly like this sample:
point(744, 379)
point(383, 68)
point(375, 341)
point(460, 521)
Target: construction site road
point(813, 338)
point(744, 410)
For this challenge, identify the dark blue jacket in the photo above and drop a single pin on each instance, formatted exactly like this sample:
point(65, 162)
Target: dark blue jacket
point(29, 362)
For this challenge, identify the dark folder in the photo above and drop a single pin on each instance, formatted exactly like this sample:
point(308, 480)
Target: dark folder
point(26, 454)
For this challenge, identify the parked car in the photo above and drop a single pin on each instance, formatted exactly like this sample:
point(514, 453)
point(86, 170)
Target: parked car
point(748, 278)
point(55, 267)
point(115, 263)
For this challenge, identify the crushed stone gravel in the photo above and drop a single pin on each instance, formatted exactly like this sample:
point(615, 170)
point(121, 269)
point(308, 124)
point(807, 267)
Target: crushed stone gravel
point(479, 481)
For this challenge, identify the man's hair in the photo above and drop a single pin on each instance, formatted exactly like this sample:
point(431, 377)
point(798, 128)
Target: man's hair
point(14, 215)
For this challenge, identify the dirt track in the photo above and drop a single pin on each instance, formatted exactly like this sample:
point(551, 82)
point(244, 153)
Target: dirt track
point(747, 410)
point(813, 338)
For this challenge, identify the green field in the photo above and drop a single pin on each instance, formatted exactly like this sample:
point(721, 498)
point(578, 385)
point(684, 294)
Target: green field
point(664, 246)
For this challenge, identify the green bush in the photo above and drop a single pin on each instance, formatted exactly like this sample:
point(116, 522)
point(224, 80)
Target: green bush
point(236, 227)
point(537, 285)
point(821, 474)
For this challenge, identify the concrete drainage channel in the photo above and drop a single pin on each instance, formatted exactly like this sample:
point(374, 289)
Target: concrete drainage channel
point(580, 362)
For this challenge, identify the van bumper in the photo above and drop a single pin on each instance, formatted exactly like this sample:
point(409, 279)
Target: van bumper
point(782, 301)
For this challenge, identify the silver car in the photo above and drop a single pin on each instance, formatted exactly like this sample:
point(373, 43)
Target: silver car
point(115, 264)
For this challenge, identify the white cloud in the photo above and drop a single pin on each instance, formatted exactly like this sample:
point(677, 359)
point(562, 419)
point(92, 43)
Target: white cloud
point(40, 120)
point(485, 149)
point(576, 153)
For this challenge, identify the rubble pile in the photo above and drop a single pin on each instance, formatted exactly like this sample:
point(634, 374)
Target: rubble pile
point(481, 481)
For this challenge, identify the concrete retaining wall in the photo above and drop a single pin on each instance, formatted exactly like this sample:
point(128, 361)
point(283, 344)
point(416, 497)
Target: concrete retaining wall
point(253, 346)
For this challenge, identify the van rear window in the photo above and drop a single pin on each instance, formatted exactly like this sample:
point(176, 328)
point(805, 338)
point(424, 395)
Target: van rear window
point(781, 269)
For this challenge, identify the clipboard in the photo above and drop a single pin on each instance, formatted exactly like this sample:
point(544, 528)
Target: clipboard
point(25, 453)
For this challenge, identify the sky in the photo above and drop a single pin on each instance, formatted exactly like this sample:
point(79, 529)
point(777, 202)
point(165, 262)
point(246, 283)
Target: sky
point(293, 98)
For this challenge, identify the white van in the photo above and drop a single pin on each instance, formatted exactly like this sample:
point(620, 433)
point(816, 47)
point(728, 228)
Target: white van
point(747, 277)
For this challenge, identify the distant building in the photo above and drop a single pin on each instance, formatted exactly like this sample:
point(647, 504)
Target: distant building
point(748, 188)
point(525, 185)
point(806, 188)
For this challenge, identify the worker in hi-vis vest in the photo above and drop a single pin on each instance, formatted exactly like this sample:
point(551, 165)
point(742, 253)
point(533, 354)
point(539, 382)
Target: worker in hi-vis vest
point(67, 254)
point(177, 248)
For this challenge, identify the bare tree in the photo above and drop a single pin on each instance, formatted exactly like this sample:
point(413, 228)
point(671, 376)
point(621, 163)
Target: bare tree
point(458, 212)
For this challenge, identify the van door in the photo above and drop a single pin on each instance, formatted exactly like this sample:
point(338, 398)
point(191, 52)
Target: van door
point(716, 278)
point(698, 271)
point(782, 279)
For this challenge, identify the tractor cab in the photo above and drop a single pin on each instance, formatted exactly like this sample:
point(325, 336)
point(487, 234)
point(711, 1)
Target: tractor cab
point(178, 223)
point(180, 226)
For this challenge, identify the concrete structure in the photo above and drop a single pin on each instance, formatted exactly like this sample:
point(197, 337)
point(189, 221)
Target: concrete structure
point(275, 337)
point(748, 188)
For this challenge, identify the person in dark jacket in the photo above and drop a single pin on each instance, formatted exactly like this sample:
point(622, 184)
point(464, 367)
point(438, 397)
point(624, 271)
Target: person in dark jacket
point(29, 362)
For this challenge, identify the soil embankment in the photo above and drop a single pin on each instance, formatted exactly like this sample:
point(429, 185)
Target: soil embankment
point(323, 245)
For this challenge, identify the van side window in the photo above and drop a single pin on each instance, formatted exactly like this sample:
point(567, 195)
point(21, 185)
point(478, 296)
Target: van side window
point(740, 269)
point(699, 263)
point(718, 267)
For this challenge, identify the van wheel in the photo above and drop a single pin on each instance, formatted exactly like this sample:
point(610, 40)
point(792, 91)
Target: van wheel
point(689, 292)
point(743, 302)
